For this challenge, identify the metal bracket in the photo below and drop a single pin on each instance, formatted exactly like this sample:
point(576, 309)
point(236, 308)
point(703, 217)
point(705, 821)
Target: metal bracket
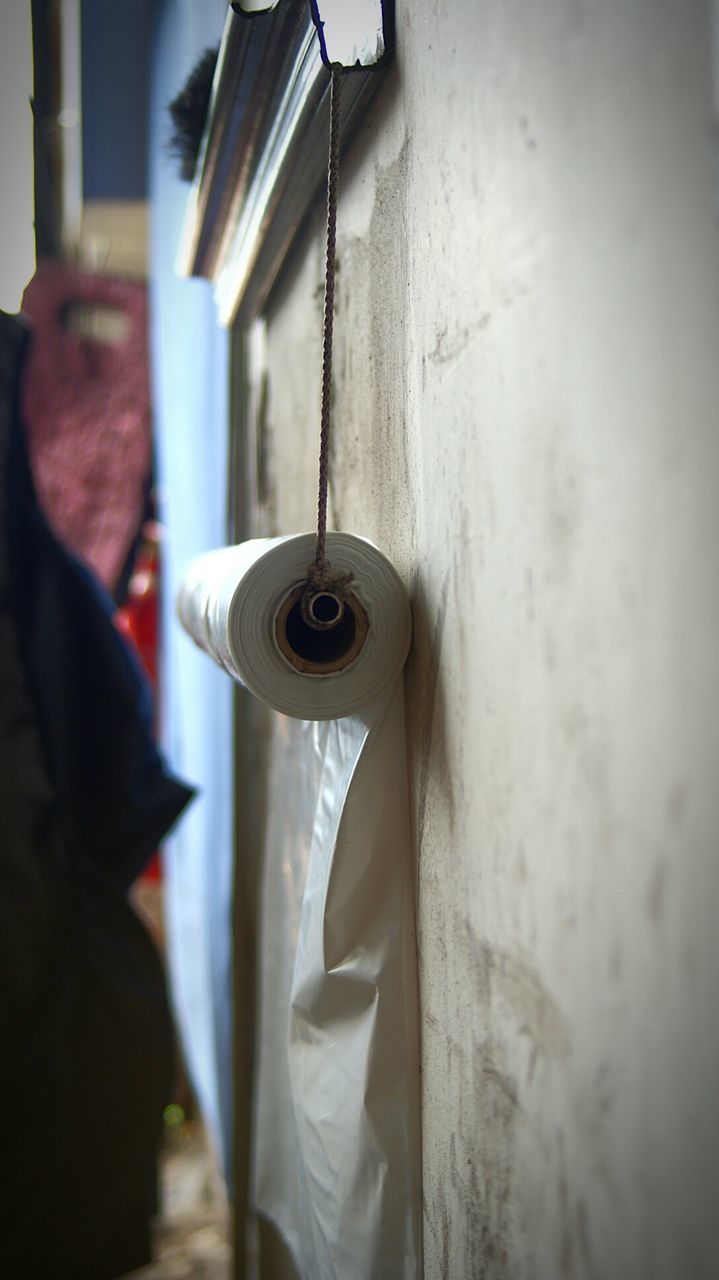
point(354, 35)
point(264, 152)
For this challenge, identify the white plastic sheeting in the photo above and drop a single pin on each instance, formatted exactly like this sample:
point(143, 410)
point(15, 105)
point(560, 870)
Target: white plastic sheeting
point(337, 1158)
point(229, 601)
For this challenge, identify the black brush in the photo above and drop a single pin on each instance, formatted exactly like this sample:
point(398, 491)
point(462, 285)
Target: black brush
point(188, 112)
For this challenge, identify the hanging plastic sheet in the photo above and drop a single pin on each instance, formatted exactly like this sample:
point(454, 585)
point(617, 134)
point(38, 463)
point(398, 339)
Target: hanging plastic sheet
point(337, 1159)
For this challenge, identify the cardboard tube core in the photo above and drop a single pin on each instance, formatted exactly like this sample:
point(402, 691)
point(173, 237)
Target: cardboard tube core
point(330, 646)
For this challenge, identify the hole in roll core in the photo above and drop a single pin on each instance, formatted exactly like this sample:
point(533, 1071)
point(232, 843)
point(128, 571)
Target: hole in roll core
point(325, 609)
point(320, 650)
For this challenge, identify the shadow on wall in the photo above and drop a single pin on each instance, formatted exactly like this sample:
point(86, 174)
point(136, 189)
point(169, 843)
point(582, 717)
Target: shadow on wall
point(426, 719)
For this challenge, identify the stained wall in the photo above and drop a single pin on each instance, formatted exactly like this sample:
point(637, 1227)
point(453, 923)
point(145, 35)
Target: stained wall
point(526, 392)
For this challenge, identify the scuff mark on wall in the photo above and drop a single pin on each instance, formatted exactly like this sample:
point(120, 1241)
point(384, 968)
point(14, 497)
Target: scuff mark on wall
point(425, 709)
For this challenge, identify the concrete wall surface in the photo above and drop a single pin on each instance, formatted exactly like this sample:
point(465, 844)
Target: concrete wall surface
point(525, 420)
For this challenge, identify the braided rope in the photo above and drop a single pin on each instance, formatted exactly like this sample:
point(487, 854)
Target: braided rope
point(319, 571)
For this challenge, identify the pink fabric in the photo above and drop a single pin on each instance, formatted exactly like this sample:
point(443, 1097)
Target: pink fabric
point(86, 404)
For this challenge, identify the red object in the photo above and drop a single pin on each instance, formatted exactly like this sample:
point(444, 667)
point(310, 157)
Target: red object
point(137, 619)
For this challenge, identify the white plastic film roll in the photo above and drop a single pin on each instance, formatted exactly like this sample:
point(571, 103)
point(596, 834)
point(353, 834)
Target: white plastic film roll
point(336, 1152)
point(241, 604)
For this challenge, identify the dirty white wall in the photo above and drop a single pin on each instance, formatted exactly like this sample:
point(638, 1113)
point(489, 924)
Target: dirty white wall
point(527, 391)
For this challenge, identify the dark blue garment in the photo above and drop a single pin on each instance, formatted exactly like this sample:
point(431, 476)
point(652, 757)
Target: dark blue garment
point(92, 700)
point(86, 1043)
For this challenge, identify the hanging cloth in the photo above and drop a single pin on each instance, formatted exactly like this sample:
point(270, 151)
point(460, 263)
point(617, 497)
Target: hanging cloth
point(86, 1053)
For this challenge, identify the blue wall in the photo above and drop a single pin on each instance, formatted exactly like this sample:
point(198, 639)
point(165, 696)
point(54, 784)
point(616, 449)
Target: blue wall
point(190, 376)
point(116, 43)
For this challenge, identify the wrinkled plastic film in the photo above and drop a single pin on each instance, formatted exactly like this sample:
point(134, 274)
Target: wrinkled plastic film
point(336, 1150)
